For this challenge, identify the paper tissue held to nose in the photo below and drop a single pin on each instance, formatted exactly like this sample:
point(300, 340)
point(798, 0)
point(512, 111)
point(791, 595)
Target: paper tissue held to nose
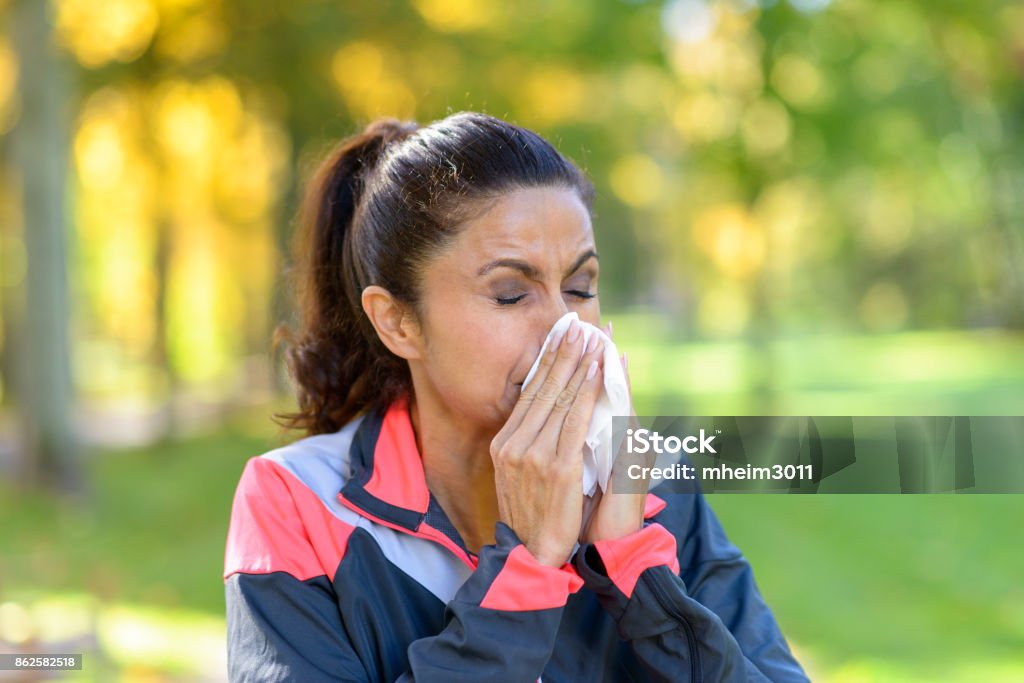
point(613, 400)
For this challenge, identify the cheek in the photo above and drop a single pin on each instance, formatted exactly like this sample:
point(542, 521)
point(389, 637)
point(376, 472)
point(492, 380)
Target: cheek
point(474, 358)
point(483, 349)
point(590, 312)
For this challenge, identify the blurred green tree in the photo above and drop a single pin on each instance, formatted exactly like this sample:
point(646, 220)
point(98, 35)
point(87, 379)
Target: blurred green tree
point(42, 381)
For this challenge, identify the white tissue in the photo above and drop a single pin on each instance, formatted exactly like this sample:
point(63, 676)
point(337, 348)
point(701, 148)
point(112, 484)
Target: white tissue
point(598, 457)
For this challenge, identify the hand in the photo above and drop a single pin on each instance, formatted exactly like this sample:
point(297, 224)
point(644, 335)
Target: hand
point(620, 514)
point(538, 464)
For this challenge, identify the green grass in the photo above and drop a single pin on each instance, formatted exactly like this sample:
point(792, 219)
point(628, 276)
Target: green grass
point(152, 529)
point(911, 373)
point(924, 587)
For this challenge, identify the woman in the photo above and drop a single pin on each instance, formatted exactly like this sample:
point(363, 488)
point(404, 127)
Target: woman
point(428, 526)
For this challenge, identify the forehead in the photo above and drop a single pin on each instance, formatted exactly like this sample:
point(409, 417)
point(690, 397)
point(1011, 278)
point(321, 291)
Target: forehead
point(546, 223)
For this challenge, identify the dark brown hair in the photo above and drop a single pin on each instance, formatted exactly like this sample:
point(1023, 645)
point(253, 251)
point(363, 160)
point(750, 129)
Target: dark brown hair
point(378, 208)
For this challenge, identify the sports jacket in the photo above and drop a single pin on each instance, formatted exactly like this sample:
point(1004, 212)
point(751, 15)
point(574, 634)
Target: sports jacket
point(341, 566)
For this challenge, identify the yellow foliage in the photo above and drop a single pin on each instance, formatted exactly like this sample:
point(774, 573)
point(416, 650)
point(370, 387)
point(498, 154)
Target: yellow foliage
point(766, 127)
point(637, 180)
point(193, 37)
point(724, 309)
point(793, 213)
point(705, 116)
point(369, 85)
point(552, 94)
point(799, 81)
point(728, 63)
point(210, 185)
point(102, 31)
point(8, 72)
point(99, 152)
point(456, 16)
point(730, 235)
point(115, 212)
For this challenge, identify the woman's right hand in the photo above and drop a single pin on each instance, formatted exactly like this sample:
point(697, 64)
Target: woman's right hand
point(538, 463)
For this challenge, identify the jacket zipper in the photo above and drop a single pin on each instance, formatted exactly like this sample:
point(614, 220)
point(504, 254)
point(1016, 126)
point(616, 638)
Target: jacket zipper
point(691, 638)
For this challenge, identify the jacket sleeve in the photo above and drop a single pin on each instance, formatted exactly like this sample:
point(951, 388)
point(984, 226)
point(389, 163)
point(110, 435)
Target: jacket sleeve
point(284, 629)
point(284, 623)
point(712, 626)
point(502, 623)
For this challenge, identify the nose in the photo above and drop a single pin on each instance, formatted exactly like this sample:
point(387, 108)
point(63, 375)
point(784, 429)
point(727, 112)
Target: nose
point(556, 317)
point(545, 320)
point(555, 310)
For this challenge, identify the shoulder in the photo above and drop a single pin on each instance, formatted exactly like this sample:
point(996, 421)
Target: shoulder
point(320, 463)
point(286, 507)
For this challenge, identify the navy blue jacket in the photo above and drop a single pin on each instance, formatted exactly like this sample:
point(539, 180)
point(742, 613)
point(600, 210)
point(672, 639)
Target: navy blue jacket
point(341, 566)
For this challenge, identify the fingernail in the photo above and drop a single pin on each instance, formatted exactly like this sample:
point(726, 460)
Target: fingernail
point(592, 370)
point(555, 341)
point(592, 344)
point(574, 332)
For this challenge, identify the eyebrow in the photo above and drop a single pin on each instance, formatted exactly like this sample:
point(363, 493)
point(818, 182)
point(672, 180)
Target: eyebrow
point(531, 272)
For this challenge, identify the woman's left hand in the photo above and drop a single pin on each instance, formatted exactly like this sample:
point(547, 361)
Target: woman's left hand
point(620, 514)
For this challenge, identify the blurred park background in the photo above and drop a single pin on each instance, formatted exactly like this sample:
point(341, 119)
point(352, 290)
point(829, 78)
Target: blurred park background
point(804, 207)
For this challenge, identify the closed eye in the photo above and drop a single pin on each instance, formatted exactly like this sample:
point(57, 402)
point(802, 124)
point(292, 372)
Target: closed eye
point(508, 301)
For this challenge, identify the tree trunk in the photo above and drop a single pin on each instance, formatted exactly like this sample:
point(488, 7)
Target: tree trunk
point(43, 389)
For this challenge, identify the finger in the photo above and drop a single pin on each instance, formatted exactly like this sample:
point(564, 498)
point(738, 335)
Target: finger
point(543, 395)
point(528, 391)
point(577, 419)
point(563, 404)
point(547, 361)
point(540, 444)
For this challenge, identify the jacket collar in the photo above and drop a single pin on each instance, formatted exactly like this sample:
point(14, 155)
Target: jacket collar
point(387, 479)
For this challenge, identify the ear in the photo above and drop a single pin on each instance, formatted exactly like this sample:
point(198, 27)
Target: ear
point(395, 324)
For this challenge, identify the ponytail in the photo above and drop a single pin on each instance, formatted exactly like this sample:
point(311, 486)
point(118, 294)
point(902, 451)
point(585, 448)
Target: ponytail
point(339, 364)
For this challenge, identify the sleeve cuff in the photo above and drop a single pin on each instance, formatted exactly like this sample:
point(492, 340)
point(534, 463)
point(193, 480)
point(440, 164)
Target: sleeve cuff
point(523, 584)
point(626, 558)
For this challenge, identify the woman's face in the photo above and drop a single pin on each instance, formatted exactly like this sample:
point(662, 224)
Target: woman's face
point(491, 297)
